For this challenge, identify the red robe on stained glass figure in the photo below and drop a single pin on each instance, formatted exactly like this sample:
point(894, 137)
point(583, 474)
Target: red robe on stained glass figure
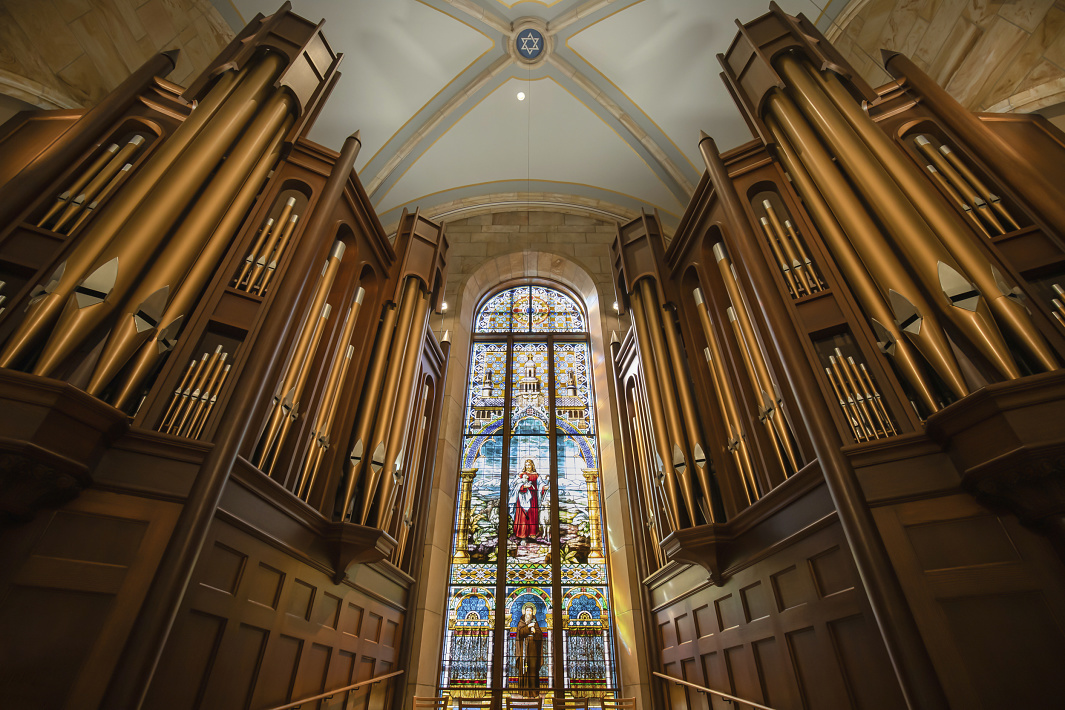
point(526, 503)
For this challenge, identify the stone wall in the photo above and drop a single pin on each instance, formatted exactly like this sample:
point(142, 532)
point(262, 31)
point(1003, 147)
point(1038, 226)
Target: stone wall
point(991, 55)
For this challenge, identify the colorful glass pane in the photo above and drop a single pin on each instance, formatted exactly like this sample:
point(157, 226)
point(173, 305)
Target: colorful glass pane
point(525, 472)
point(530, 309)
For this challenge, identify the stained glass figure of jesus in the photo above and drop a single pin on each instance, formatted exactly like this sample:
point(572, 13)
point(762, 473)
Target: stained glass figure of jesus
point(525, 501)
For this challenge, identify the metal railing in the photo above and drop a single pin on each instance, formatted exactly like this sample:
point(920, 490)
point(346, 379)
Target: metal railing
point(331, 693)
point(701, 689)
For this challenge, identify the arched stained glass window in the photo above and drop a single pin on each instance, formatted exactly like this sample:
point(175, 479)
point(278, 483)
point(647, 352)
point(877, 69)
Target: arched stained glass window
point(529, 607)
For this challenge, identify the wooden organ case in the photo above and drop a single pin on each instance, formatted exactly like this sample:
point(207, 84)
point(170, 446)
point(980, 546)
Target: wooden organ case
point(220, 395)
point(842, 402)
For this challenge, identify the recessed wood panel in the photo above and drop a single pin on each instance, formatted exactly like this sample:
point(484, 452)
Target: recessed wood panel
point(371, 627)
point(1011, 646)
point(678, 699)
point(189, 655)
point(741, 671)
point(327, 610)
point(264, 587)
point(351, 622)
point(312, 671)
point(774, 673)
point(391, 633)
point(74, 535)
point(819, 674)
point(279, 671)
point(685, 628)
point(667, 634)
point(729, 614)
point(691, 672)
point(705, 621)
point(300, 598)
point(790, 588)
point(243, 656)
point(38, 662)
point(756, 602)
point(222, 568)
point(968, 542)
point(833, 572)
point(866, 666)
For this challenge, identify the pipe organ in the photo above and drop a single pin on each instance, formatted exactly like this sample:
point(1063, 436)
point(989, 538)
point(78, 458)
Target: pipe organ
point(209, 344)
point(857, 312)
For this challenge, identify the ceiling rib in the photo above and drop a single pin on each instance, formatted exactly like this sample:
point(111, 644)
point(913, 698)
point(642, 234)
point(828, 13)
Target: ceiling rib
point(634, 128)
point(481, 14)
point(459, 98)
point(578, 13)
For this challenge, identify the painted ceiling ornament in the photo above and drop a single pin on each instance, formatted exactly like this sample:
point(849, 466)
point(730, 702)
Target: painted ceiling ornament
point(530, 44)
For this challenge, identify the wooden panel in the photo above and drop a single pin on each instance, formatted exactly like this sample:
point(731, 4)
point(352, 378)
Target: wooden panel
point(774, 632)
point(855, 637)
point(222, 568)
point(1012, 636)
point(189, 655)
point(966, 542)
point(266, 584)
point(243, 658)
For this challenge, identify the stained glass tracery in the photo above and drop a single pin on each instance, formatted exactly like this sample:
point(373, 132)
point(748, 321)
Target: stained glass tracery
point(529, 609)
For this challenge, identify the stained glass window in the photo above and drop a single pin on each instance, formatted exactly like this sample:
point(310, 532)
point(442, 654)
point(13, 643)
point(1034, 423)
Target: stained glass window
point(528, 601)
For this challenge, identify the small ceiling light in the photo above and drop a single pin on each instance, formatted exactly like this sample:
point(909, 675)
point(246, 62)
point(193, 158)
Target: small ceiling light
point(443, 307)
point(521, 96)
point(617, 309)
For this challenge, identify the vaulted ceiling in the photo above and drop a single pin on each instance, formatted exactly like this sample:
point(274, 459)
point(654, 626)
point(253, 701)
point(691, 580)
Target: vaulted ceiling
point(614, 100)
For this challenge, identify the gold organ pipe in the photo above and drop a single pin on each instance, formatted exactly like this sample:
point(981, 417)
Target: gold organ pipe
point(759, 370)
point(935, 221)
point(43, 311)
point(803, 256)
point(205, 395)
point(202, 374)
point(371, 394)
point(789, 275)
point(401, 411)
point(967, 191)
point(111, 186)
point(292, 411)
point(764, 411)
point(992, 199)
point(845, 405)
point(936, 268)
point(214, 398)
point(144, 308)
point(263, 256)
point(809, 282)
point(651, 522)
point(658, 426)
point(181, 391)
point(909, 312)
point(331, 398)
point(957, 199)
point(872, 393)
point(271, 267)
point(1059, 308)
point(687, 405)
point(203, 268)
point(651, 311)
point(727, 401)
point(884, 423)
point(380, 418)
point(98, 182)
point(257, 245)
point(283, 400)
point(119, 265)
point(406, 506)
point(81, 181)
point(846, 377)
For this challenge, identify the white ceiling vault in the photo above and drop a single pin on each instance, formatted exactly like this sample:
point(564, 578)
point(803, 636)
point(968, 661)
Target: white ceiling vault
point(610, 123)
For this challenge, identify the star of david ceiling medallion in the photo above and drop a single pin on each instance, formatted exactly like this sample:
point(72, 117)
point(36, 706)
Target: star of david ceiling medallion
point(530, 43)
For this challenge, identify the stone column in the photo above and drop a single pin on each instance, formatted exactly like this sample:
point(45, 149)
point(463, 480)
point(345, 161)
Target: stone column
point(591, 477)
point(466, 476)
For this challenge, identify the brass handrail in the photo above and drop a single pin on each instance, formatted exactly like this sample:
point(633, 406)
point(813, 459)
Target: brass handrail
point(331, 693)
point(701, 689)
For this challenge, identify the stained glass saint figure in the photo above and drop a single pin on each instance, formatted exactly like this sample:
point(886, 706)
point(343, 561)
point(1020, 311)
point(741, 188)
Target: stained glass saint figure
point(526, 503)
point(529, 653)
